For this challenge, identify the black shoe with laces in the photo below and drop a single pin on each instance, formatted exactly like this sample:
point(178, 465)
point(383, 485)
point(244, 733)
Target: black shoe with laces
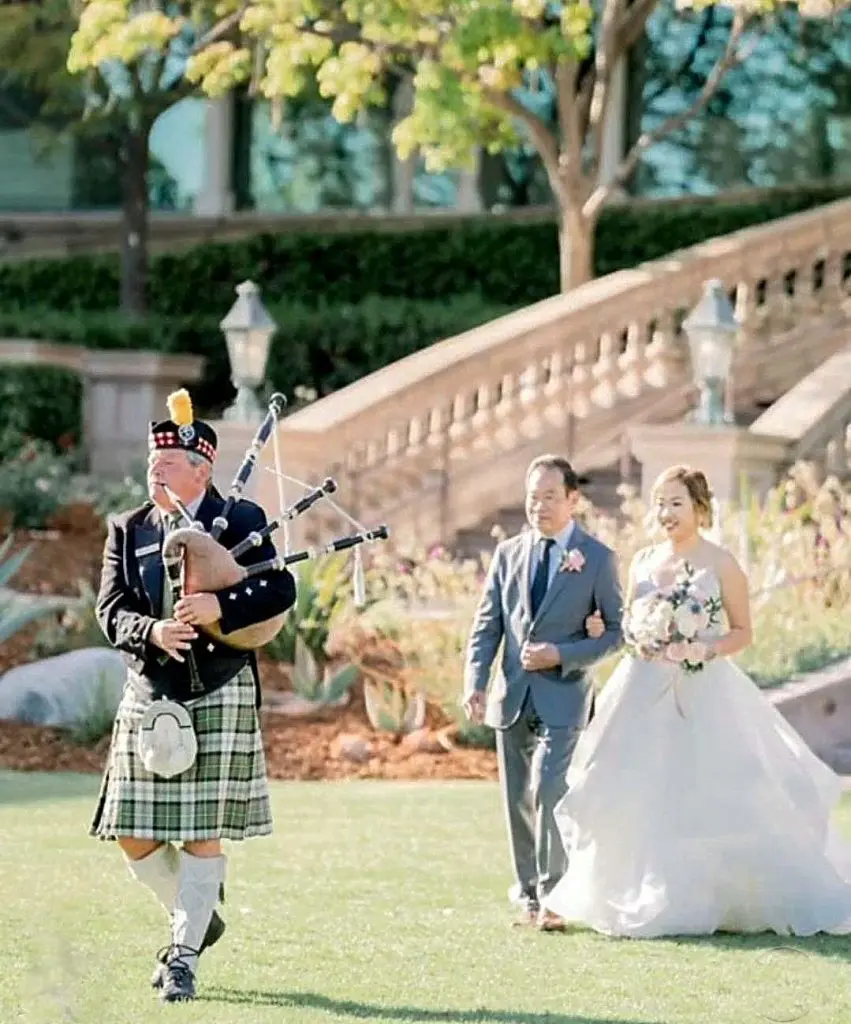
point(178, 980)
point(215, 930)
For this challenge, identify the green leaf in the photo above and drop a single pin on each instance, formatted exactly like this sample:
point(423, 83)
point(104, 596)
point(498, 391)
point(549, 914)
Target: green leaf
point(305, 676)
point(10, 566)
point(16, 614)
point(339, 683)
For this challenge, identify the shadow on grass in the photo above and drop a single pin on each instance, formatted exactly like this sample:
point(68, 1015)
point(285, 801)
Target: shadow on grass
point(827, 947)
point(33, 787)
point(412, 1014)
point(768, 946)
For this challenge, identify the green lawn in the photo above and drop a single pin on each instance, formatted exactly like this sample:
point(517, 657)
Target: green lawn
point(373, 902)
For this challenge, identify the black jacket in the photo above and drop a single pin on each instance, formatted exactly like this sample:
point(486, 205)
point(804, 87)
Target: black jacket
point(129, 600)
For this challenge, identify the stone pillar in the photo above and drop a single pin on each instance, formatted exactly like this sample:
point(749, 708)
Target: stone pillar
point(736, 461)
point(402, 171)
point(216, 198)
point(468, 196)
point(123, 391)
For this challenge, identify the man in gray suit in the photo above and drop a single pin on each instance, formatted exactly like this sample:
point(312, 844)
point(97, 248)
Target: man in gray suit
point(542, 586)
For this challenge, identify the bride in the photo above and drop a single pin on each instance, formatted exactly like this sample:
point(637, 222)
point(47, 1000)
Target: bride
point(693, 806)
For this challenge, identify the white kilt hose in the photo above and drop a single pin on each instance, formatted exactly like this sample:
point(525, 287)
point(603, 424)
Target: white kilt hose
point(223, 795)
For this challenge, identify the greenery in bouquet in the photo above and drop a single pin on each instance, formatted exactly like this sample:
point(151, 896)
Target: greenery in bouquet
point(669, 621)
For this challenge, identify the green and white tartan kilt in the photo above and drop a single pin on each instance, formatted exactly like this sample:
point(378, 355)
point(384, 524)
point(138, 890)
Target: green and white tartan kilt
point(223, 795)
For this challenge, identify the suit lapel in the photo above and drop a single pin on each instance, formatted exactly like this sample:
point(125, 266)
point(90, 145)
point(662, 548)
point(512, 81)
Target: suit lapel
point(147, 552)
point(562, 579)
point(208, 510)
point(525, 548)
point(148, 536)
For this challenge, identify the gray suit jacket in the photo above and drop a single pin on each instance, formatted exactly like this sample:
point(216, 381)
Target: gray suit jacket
point(562, 695)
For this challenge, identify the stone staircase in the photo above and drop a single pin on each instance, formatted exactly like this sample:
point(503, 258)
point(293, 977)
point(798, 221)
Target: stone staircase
point(437, 444)
point(600, 486)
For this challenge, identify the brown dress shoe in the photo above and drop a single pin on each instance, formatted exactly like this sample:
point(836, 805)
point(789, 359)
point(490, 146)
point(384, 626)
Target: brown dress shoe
point(549, 922)
point(527, 918)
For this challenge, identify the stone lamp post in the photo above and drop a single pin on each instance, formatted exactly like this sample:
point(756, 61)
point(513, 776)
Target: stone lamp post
point(248, 331)
point(711, 329)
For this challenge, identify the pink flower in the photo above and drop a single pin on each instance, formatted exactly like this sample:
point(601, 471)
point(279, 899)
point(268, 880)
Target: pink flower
point(573, 561)
point(697, 651)
point(693, 651)
point(677, 652)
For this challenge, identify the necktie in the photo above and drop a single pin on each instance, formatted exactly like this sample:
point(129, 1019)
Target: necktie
point(542, 577)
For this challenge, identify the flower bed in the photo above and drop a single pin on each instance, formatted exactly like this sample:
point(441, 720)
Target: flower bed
point(377, 691)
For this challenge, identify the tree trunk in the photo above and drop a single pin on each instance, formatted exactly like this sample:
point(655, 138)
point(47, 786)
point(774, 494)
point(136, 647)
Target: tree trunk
point(576, 236)
point(134, 225)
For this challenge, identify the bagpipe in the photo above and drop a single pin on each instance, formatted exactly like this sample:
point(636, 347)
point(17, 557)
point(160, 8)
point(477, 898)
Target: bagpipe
point(197, 562)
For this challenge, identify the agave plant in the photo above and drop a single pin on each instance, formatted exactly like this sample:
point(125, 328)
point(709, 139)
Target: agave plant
point(320, 599)
point(393, 707)
point(317, 684)
point(17, 611)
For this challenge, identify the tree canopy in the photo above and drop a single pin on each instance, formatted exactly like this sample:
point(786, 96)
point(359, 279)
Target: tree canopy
point(473, 64)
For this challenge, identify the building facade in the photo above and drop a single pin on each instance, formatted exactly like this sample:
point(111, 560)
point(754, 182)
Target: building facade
point(782, 117)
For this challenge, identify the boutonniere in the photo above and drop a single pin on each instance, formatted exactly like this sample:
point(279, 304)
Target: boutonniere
point(573, 561)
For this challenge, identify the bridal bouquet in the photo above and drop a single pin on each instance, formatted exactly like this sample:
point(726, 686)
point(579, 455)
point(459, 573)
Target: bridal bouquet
point(669, 622)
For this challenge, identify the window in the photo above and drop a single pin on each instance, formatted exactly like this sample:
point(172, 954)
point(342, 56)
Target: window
point(781, 117)
point(177, 156)
point(37, 167)
point(312, 163)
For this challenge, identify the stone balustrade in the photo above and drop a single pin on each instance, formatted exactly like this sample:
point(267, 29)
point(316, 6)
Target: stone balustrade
point(814, 417)
point(438, 442)
point(431, 443)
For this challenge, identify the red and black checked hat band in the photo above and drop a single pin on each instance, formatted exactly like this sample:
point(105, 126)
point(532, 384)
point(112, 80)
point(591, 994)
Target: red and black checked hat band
point(194, 437)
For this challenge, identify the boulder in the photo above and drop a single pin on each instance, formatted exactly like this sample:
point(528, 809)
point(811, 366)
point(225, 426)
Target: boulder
point(66, 690)
point(351, 747)
point(818, 706)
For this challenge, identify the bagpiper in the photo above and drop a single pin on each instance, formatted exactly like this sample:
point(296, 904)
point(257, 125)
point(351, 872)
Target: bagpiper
point(186, 766)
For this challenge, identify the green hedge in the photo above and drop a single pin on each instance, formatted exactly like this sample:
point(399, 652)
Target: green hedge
point(346, 304)
point(505, 262)
point(322, 348)
point(41, 402)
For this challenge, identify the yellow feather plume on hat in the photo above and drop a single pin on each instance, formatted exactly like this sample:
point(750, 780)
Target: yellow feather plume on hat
point(180, 407)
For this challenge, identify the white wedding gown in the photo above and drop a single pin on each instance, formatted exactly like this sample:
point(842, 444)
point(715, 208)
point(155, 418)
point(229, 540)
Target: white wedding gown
point(694, 807)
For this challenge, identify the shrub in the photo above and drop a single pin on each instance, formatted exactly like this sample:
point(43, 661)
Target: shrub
point(504, 261)
point(16, 612)
point(35, 482)
point(41, 402)
point(347, 303)
point(322, 348)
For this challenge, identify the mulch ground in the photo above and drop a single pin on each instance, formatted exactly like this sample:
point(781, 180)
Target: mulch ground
point(333, 744)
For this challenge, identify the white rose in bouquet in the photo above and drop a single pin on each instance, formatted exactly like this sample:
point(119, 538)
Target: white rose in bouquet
point(661, 619)
point(650, 620)
point(690, 618)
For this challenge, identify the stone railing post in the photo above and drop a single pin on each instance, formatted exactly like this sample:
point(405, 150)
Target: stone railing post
point(735, 460)
point(123, 391)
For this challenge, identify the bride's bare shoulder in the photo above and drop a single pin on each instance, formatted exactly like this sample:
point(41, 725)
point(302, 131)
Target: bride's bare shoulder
point(722, 560)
